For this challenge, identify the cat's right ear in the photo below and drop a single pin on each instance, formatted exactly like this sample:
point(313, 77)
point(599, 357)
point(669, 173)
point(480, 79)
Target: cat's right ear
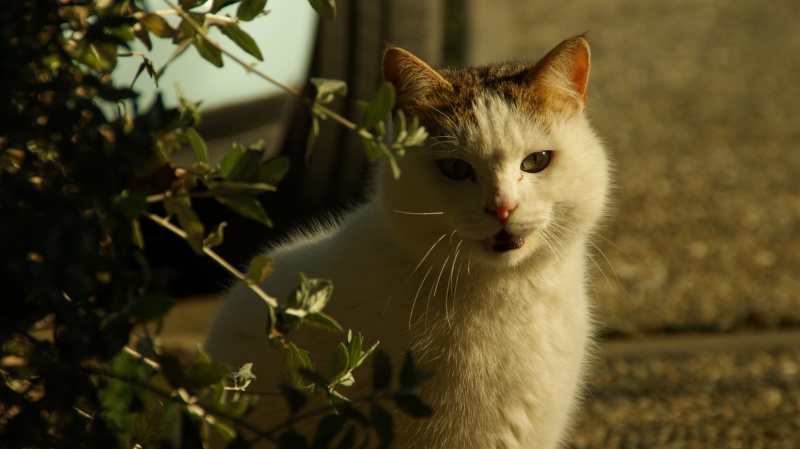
point(413, 80)
point(564, 69)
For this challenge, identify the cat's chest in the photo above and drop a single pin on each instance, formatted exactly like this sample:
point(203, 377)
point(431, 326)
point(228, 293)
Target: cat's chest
point(517, 363)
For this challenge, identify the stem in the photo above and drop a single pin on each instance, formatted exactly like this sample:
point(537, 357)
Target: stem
point(314, 106)
point(162, 221)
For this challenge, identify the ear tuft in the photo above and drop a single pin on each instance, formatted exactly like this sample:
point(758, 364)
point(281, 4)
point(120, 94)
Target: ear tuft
point(566, 67)
point(413, 80)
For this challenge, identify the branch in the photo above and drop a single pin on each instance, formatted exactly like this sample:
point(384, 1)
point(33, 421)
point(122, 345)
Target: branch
point(180, 400)
point(314, 106)
point(162, 221)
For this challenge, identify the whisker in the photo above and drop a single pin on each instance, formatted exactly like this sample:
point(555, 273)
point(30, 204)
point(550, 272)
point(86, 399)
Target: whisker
point(455, 287)
point(620, 249)
point(612, 269)
point(434, 289)
point(418, 213)
point(436, 286)
point(450, 284)
point(451, 237)
point(425, 256)
point(388, 302)
point(414, 303)
point(603, 273)
point(454, 265)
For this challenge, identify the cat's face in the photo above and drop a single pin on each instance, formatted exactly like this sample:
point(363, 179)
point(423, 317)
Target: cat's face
point(513, 172)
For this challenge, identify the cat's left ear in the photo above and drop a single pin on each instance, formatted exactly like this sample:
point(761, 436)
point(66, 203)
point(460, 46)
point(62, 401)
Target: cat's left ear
point(565, 68)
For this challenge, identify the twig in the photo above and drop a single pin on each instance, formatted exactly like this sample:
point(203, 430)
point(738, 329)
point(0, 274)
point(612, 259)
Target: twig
point(216, 257)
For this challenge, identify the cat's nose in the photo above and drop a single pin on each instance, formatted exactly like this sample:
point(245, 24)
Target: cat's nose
point(500, 210)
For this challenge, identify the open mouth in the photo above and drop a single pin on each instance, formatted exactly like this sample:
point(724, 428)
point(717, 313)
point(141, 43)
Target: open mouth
point(503, 242)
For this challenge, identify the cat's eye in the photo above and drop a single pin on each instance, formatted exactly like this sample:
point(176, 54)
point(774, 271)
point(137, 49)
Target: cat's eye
point(456, 169)
point(536, 162)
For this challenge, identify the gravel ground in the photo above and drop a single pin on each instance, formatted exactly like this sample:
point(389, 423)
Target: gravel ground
point(741, 399)
point(697, 101)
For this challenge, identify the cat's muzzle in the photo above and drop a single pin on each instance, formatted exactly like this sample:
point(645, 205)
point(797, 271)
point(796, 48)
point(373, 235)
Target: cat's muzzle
point(503, 242)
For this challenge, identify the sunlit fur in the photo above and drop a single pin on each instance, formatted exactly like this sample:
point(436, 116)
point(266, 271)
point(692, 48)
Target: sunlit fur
point(506, 332)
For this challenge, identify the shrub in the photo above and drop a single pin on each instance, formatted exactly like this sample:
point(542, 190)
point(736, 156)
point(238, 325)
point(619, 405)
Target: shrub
point(75, 181)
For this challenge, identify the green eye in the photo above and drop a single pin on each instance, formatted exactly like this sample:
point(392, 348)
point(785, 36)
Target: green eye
point(454, 168)
point(536, 162)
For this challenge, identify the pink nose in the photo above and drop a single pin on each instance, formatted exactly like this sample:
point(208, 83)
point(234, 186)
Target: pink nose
point(502, 211)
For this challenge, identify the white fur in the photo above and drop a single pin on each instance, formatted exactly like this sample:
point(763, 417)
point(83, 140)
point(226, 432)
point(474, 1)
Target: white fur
point(506, 333)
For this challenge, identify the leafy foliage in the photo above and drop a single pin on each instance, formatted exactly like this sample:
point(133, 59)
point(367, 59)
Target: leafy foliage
point(75, 181)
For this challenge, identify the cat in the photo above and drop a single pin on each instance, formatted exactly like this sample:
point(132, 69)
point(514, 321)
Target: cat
point(474, 259)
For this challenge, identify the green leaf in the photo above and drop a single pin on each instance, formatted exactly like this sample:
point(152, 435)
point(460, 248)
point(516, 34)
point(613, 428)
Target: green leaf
point(131, 204)
point(323, 321)
point(148, 422)
point(215, 237)
point(242, 376)
point(246, 166)
point(273, 171)
point(354, 348)
point(202, 375)
point(247, 207)
point(379, 105)
point(371, 149)
point(137, 237)
point(157, 25)
point(382, 422)
point(242, 39)
point(230, 159)
point(328, 89)
point(338, 364)
point(325, 8)
point(260, 267)
point(400, 131)
point(319, 294)
point(172, 370)
point(250, 9)
point(381, 371)
point(150, 307)
point(412, 405)
point(209, 52)
point(219, 4)
point(189, 4)
point(295, 361)
point(188, 220)
point(313, 133)
point(185, 30)
point(225, 431)
point(198, 144)
point(144, 37)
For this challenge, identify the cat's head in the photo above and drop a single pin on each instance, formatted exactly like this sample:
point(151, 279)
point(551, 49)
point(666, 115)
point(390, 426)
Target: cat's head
point(512, 171)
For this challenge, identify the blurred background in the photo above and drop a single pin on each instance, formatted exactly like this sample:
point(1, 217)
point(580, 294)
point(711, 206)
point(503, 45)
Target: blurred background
point(697, 270)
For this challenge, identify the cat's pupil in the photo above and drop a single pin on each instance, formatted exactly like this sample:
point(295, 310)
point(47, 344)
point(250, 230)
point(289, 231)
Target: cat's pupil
point(456, 169)
point(536, 162)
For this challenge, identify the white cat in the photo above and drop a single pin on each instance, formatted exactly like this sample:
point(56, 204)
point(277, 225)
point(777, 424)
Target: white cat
point(475, 259)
